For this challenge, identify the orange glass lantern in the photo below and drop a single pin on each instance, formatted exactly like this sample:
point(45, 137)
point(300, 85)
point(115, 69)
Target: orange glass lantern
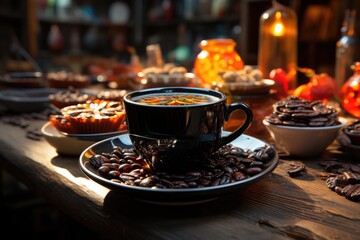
point(350, 92)
point(216, 55)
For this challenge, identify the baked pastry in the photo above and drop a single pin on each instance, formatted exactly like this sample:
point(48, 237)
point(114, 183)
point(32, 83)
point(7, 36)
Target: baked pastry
point(98, 116)
point(71, 96)
point(249, 80)
point(23, 80)
point(168, 75)
point(63, 79)
point(111, 95)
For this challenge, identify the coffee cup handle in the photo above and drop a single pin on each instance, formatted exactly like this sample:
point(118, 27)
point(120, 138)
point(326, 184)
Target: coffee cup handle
point(240, 130)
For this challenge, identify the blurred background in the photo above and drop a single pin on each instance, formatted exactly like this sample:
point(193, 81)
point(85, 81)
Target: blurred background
point(74, 33)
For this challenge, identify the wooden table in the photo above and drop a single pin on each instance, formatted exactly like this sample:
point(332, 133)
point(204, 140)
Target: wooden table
point(277, 207)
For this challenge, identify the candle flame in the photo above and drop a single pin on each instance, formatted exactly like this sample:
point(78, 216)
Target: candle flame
point(278, 28)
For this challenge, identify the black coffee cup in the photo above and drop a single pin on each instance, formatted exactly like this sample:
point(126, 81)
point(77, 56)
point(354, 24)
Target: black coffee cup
point(180, 137)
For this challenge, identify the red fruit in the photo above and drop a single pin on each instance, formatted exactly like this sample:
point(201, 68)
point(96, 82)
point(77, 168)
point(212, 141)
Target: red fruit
point(281, 81)
point(322, 87)
point(303, 91)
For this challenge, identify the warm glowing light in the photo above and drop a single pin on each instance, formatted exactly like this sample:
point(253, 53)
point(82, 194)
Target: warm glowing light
point(355, 85)
point(278, 29)
point(203, 55)
point(216, 55)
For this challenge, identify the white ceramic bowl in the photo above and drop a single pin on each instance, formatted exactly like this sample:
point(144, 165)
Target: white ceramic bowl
point(73, 144)
point(303, 141)
point(64, 144)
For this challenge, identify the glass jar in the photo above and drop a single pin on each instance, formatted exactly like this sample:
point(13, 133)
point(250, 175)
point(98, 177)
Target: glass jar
point(347, 49)
point(350, 92)
point(216, 55)
point(278, 33)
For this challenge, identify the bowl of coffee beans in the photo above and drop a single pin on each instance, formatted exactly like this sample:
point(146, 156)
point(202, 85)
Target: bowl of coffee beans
point(352, 131)
point(303, 128)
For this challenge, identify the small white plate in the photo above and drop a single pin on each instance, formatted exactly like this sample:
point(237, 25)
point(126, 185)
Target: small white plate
point(25, 99)
point(93, 136)
point(64, 144)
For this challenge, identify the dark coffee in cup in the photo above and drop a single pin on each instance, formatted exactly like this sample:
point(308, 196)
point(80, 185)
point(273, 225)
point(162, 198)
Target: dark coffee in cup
point(177, 99)
point(177, 128)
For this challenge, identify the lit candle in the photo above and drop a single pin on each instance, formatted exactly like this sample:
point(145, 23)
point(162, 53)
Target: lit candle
point(278, 28)
point(278, 42)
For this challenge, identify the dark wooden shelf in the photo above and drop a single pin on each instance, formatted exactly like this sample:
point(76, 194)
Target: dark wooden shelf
point(4, 13)
point(197, 20)
point(103, 23)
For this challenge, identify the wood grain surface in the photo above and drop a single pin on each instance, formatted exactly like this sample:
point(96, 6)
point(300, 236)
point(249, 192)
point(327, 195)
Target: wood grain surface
point(276, 207)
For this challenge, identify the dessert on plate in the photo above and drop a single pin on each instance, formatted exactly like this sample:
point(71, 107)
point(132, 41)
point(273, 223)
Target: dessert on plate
point(167, 75)
point(248, 80)
point(63, 79)
point(70, 96)
point(98, 116)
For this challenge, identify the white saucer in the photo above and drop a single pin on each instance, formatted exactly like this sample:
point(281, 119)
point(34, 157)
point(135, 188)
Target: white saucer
point(93, 136)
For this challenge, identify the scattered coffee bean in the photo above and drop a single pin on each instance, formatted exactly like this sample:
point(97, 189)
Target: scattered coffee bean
point(33, 136)
point(352, 192)
point(23, 121)
point(296, 169)
point(344, 178)
point(351, 177)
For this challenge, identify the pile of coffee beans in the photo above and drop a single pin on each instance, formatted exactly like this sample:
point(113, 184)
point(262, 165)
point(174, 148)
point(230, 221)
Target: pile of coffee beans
point(295, 111)
point(354, 127)
point(344, 178)
point(228, 164)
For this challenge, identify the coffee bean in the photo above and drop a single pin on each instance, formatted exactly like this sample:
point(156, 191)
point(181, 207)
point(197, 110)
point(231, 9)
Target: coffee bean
point(343, 179)
point(125, 167)
point(225, 179)
point(253, 171)
point(147, 182)
point(228, 164)
point(256, 164)
point(296, 169)
point(351, 177)
point(330, 183)
point(114, 160)
point(95, 160)
point(104, 170)
point(338, 190)
point(112, 166)
point(352, 192)
point(125, 178)
point(180, 184)
point(33, 136)
point(238, 176)
point(114, 174)
point(316, 124)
